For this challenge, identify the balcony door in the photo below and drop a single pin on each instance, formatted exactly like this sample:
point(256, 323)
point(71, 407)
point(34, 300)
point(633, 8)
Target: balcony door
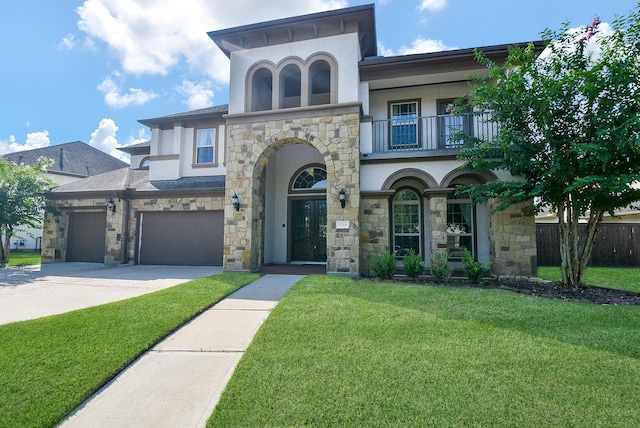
point(450, 126)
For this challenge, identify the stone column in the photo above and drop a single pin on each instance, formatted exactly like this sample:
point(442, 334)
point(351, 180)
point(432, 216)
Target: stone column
point(438, 218)
point(512, 240)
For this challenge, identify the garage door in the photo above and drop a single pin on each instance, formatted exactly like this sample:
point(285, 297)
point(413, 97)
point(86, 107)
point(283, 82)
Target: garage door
point(181, 238)
point(86, 242)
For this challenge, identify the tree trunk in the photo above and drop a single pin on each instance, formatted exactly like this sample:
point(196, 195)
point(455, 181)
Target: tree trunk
point(2, 256)
point(6, 246)
point(574, 251)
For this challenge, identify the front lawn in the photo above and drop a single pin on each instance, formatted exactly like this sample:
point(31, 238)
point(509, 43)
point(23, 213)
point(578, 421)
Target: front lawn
point(339, 352)
point(23, 258)
point(623, 278)
point(51, 365)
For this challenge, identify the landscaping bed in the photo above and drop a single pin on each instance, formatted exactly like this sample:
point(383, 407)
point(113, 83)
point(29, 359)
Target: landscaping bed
point(536, 287)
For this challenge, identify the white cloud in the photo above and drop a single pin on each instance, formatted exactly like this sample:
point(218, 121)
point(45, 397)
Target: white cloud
point(114, 98)
point(592, 45)
point(66, 42)
point(35, 140)
point(151, 37)
point(419, 45)
point(104, 138)
point(199, 95)
point(432, 5)
point(143, 135)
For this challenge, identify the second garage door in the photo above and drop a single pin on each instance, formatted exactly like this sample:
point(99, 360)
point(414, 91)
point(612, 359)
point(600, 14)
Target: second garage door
point(181, 238)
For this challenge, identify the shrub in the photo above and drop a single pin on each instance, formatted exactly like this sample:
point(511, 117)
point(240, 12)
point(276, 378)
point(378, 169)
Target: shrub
point(472, 269)
point(413, 264)
point(383, 265)
point(440, 268)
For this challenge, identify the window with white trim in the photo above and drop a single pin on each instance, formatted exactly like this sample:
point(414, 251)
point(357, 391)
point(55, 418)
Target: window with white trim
point(205, 145)
point(404, 124)
point(406, 223)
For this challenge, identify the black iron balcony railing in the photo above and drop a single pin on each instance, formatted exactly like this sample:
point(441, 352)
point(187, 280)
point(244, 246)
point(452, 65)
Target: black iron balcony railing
point(413, 133)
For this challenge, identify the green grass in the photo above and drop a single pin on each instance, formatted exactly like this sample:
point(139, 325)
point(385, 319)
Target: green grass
point(51, 365)
point(338, 352)
point(624, 278)
point(23, 258)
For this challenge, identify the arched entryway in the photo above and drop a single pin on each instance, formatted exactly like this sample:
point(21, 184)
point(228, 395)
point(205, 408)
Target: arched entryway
point(295, 205)
point(262, 156)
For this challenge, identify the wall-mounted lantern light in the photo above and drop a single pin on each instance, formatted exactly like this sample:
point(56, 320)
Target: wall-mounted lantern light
point(235, 201)
point(111, 206)
point(343, 198)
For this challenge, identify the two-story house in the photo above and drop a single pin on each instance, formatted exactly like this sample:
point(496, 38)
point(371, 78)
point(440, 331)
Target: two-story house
point(326, 153)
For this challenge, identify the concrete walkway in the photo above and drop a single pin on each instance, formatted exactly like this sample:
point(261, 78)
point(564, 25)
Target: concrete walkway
point(30, 292)
point(179, 382)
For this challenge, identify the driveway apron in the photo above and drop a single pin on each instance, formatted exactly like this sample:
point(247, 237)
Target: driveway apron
point(31, 292)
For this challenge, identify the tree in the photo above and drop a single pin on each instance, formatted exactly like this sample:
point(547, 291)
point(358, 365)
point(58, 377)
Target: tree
point(22, 199)
point(568, 126)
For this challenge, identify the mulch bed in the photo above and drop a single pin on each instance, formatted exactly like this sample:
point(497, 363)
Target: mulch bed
point(553, 290)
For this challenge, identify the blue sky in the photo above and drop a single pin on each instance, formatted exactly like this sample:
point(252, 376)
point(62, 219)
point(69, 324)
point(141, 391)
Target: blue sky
point(88, 70)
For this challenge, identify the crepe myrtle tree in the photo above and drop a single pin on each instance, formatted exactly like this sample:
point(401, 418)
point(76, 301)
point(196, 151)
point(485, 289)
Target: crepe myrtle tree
point(568, 125)
point(22, 199)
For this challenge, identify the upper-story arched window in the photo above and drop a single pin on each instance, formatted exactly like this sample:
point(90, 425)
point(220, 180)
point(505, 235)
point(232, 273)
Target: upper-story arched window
point(319, 83)
point(290, 86)
point(294, 82)
point(262, 90)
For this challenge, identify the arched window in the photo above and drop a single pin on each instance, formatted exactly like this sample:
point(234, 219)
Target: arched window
point(290, 86)
point(262, 90)
point(320, 83)
point(310, 177)
point(144, 163)
point(407, 224)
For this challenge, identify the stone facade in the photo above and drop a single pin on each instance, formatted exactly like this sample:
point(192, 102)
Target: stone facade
point(374, 221)
point(251, 139)
point(513, 241)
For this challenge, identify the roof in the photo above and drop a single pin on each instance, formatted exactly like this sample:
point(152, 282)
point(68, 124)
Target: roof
point(360, 19)
point(135, 181)
point(203, 113)
point(143, 148)
point(373, 68)
point(75, 158)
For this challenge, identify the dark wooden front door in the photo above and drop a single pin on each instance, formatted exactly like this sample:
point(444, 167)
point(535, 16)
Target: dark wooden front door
point(309, 237)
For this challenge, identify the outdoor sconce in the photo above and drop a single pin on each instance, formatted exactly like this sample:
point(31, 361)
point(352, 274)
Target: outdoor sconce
point(111, 206)
point(235, 201)
point(343, 198)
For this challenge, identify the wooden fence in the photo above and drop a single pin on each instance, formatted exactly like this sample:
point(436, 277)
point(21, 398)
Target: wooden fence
point(617, 244)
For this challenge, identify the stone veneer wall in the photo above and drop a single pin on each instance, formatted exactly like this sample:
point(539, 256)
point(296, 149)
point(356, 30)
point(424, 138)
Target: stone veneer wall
point(374, 229)
point(335, 132)
point(119, 242)
point(55, 232)
point(512, 240)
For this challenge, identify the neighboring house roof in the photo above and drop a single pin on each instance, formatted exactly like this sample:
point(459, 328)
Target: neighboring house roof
point(75, 159)
point(135, 181)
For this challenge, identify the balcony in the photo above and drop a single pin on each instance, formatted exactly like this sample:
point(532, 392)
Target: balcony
point(410, 136)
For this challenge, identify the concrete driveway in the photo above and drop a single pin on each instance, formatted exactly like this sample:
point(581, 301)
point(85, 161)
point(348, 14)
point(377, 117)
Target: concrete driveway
point(31, 292)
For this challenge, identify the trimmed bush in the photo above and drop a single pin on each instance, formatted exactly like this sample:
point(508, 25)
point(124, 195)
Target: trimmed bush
point(413, 264)
point(440, 268)
point(472, 269)
point(382, 265)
